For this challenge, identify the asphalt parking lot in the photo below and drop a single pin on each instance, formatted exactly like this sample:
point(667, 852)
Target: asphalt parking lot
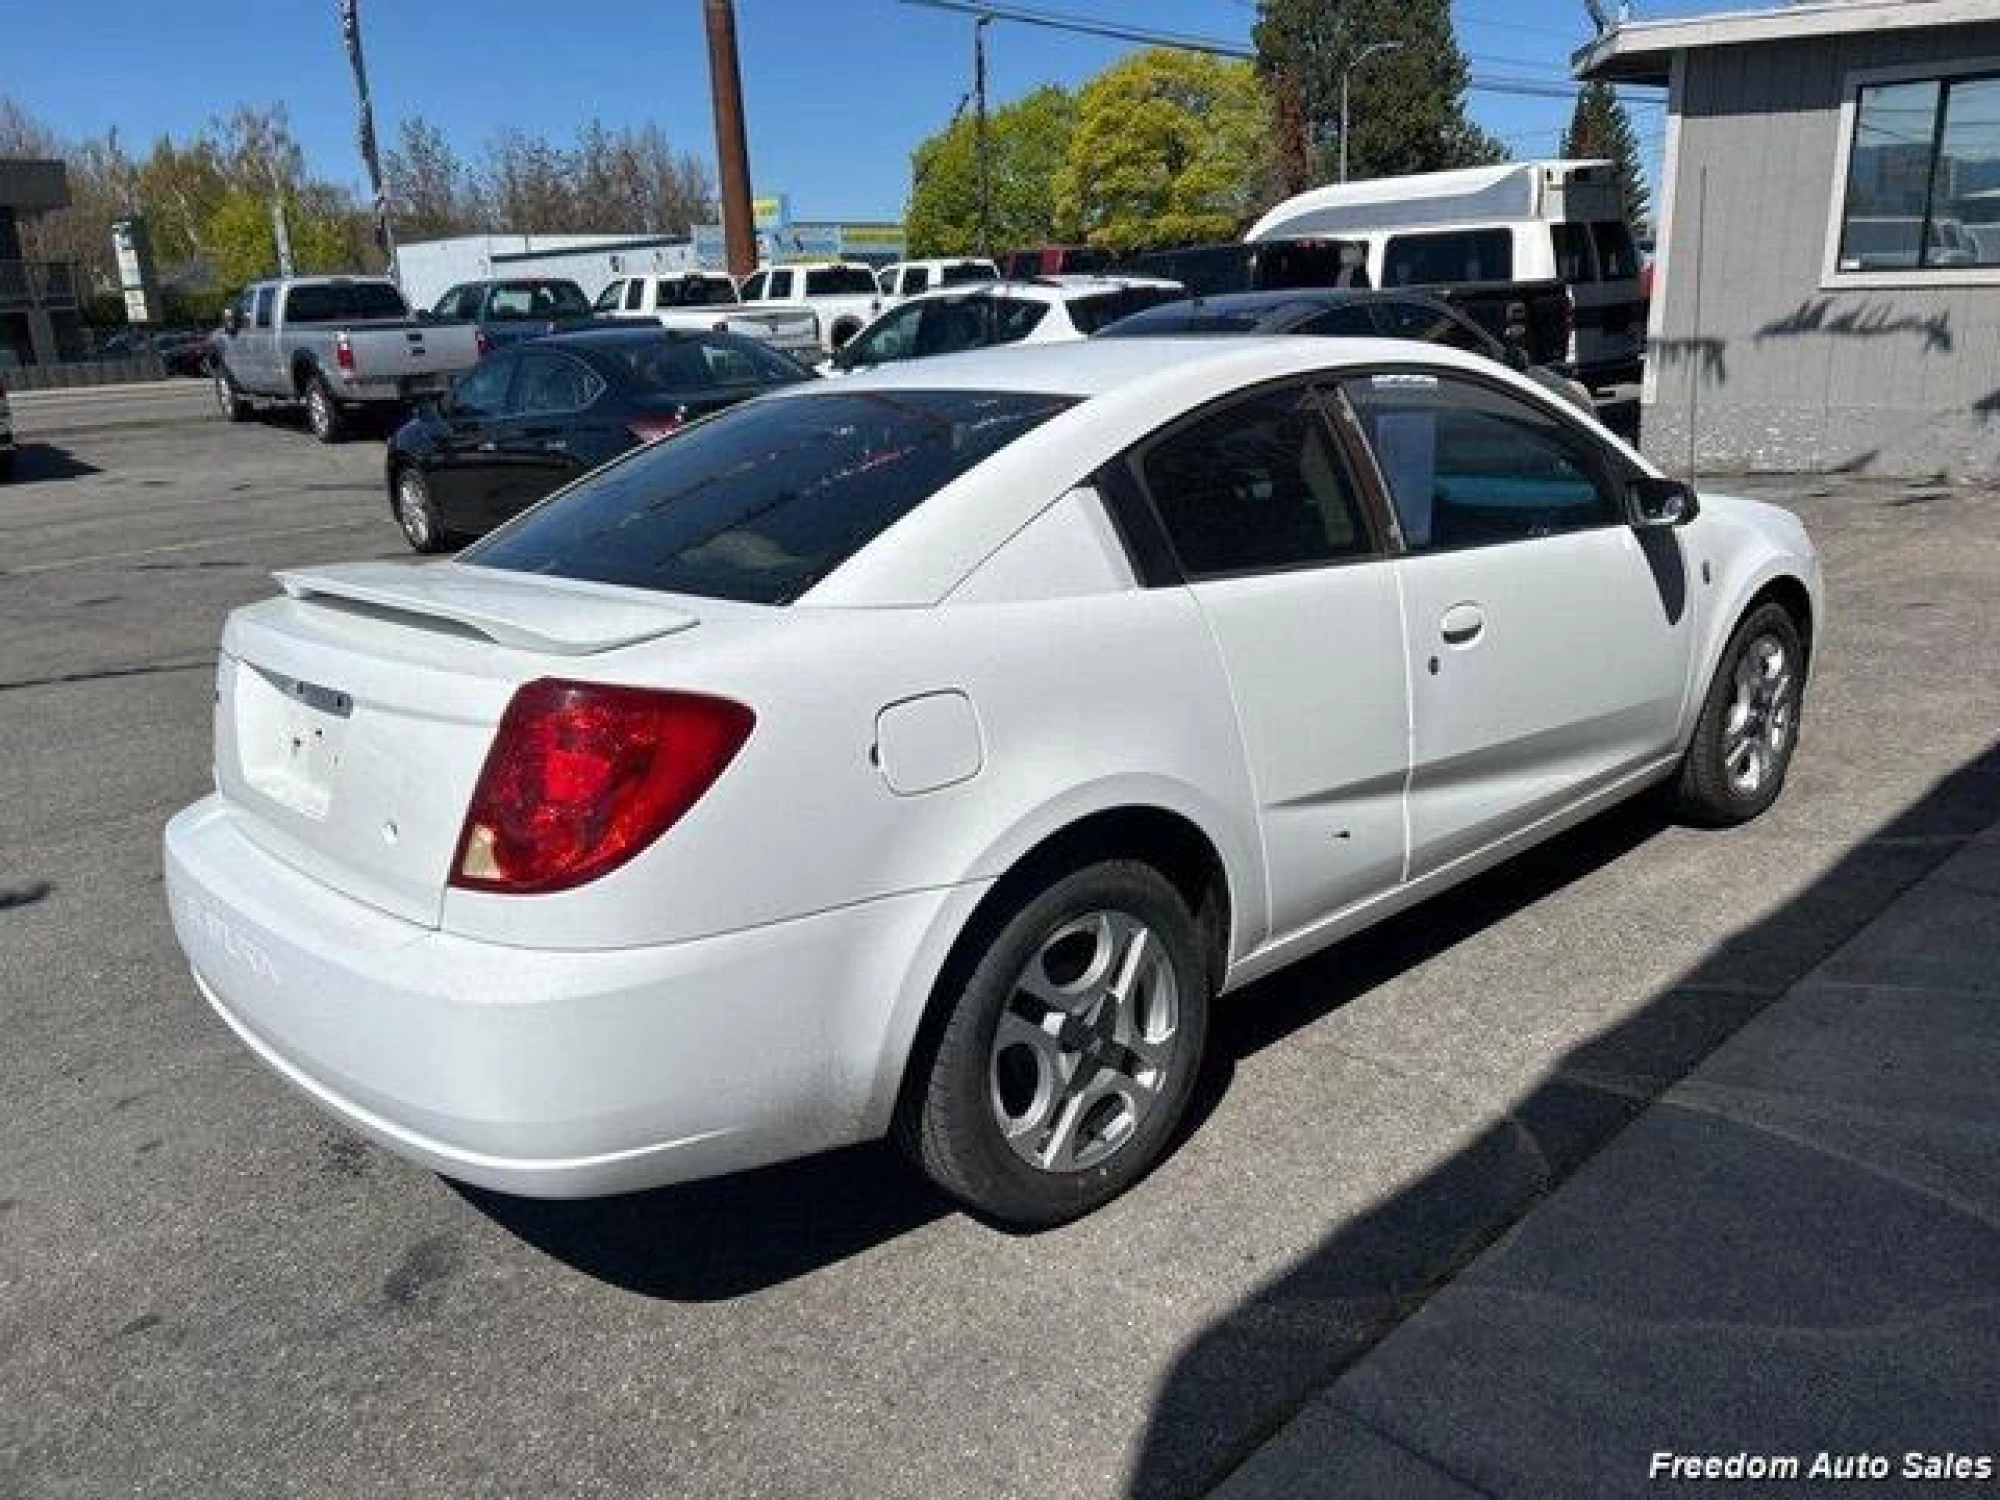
point(206, 1289)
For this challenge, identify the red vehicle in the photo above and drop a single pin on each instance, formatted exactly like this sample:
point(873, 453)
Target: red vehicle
point(1054, 260)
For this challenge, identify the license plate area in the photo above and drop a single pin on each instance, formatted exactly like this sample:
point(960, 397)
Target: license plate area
point(289, 735)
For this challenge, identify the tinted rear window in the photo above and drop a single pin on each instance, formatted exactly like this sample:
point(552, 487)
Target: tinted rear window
point(1181, 317)
point(1458, 255)
point(840, 280)
point(699, 362)
point(537, 299)
point(1092, 313)
point(763, 501)
point(697, 291)
point(967, 271)
point(338, 302)
point(1575, 259)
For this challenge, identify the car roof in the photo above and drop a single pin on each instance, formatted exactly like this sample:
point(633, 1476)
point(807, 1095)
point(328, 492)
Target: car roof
point(1085, 368)
point(1048, 289)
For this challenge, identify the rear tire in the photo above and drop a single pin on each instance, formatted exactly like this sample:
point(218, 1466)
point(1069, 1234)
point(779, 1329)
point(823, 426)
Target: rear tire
point(323, 414)
point(230, 401)
point(1742, 748)
point(1069, 1051)
point(416, 512)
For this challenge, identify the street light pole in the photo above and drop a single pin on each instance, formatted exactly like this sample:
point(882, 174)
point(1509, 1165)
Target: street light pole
point(732, 154)
point(979, 25)
point(1346, 75)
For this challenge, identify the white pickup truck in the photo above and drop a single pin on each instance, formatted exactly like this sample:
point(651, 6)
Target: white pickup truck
point(842, 295)
point(336, 344)
point(704, 301)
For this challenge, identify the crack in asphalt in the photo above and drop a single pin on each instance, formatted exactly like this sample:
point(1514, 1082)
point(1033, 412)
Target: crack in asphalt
point(104, 674)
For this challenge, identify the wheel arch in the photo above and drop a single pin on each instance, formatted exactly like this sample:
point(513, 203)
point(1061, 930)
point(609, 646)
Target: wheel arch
point(1171, 839)
point(1790, 593)
point(305, 369)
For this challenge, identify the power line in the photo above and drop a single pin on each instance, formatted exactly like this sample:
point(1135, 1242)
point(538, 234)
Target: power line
point(1092, 26)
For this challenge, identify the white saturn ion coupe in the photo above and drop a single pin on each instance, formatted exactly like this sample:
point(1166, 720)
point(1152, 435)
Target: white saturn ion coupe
point(922, 753)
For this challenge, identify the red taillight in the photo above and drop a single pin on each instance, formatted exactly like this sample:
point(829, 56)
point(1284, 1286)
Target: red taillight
point(343, 353)
point(651, 429)
point(482, 341)
point(581, 777)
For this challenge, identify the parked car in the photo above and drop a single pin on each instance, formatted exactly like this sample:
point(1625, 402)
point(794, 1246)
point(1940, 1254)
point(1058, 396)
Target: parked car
point(513, 310)
point(707, 300)
point(905, 278)
point(1045, 311)
point(1391, 315)
point(6, 435)
point(1054, 260)
point(335, 343)
point(920, 753)
point(841, 294)
point(188, 352)
point(1533, 316)
point(1522, 222)
point(532, 417)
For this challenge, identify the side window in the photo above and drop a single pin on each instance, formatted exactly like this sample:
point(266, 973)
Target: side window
point(753, 289)
point(1255, 486)
point(265, 295)
point(1350, 322)
point(952, 324)
point(1014, 318)
point(1468, 466)
point(551, 383)
point(635, 294)
point(1428, 325)
point(610, 297)
point(482, 391)
point(916, 279)
point(1447, 257)
point(893, 336)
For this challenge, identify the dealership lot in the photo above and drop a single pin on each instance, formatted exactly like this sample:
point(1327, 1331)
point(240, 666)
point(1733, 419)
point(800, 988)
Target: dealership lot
point(209, 1290)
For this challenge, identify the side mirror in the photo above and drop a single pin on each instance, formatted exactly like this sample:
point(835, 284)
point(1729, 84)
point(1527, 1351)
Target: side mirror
point(232, 320)
point(1654, 504)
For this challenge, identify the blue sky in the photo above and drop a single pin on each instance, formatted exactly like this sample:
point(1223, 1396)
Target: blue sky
point(838, 91)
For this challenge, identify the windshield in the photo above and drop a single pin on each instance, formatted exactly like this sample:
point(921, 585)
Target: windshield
point(343, 301)
point(1187, 317)
point(760, 503)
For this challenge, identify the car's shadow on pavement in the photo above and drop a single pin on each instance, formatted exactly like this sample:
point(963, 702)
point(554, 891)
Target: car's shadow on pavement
point(706, 1241)
point(709, 1241)
point(36, 461)
point(1294, 1336)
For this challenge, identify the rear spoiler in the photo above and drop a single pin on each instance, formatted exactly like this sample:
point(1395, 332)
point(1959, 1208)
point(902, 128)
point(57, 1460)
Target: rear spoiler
point(510, 609)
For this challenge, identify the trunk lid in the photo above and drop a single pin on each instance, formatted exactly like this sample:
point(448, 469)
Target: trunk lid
point(353, 714)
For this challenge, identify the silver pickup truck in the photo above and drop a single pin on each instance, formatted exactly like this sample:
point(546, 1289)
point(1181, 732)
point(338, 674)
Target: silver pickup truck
point(334, 343)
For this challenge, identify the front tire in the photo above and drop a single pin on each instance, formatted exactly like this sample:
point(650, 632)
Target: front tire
point(417, 512)
point(323, 414)
point(228, 399)
point(1069, 1052)
point(1749, 726)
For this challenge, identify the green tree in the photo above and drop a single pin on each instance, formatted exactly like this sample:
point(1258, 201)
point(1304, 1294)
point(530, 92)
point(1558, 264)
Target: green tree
point(326, 231)
point(1407, 106)
point(1026, 143)
point(1169, 148)
point(1600, 128)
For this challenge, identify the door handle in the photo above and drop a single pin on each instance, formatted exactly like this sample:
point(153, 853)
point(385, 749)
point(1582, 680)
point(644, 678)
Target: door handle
point(1462, 624)
point(488, 446)
point(555, 445)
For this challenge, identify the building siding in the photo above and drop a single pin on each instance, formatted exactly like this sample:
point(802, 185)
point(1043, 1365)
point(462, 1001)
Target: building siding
point(1777, 373)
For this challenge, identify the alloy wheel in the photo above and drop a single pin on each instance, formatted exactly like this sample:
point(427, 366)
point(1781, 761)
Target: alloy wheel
point(1085, 1043)
point(1757, 730)
point(413, 509)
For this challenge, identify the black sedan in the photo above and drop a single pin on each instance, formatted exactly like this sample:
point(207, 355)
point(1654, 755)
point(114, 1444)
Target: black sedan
point(1334, 313)
point(530, 418)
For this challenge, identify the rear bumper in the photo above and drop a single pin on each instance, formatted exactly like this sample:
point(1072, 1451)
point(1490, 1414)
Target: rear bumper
point(549, 1074)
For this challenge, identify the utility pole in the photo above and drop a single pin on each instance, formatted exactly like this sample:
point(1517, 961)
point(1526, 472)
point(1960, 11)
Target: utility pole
point(1346, 75)
point(350, 31)
point(732, 152)
point(979, 25)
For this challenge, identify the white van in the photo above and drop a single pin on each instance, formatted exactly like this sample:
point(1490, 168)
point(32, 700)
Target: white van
point(1522, 221)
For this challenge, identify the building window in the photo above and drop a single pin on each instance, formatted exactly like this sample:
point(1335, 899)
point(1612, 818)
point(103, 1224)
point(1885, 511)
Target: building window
point(1923, 177)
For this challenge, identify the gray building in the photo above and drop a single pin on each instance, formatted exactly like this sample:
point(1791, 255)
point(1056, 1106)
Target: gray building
point(38, 298)
point(1827, 295)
